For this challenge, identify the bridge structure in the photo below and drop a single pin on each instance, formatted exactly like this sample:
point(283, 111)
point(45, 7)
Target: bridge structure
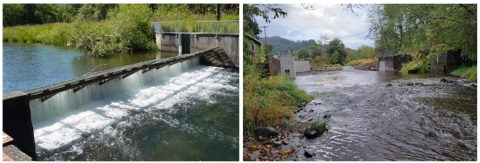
point(17, 122)
point(391, 60)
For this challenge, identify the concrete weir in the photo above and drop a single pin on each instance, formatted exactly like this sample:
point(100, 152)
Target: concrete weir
point(194, 42)
point(17, 120)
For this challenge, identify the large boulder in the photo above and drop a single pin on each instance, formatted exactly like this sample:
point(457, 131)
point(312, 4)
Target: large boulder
point(265, 132)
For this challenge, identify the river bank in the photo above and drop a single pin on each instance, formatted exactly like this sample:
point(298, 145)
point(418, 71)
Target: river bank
point(373, 121)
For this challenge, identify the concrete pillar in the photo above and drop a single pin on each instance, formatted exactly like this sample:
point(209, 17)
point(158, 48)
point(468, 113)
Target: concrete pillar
point(381, 66)
point(17, 122)
point(158, 40)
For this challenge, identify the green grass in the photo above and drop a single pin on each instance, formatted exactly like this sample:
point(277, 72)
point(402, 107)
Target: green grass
point(320, 127)
point(422, 65)
point(268, 101)
point(60, 33)
point(52, 34)
point(188, 21)
point(358, 61)
point(469, 73)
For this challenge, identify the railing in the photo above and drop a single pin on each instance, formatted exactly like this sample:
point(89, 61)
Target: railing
point(168, 27)
point(388, 53)
point(217, 27)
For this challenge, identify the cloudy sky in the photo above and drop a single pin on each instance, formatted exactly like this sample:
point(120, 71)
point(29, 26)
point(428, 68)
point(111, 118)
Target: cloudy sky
point(332, 20)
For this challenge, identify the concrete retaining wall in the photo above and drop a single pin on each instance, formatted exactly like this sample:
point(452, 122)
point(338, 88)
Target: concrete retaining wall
point(169, 42)
point(302, 66)
point(191, 43)
point(381, 66)
point(287, 66)
point(445, 63)
point(229, 43)
point(17, 122)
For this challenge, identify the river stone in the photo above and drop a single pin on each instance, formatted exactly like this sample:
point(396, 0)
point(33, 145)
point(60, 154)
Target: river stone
point(389, 85)
point(277, 143)
point(308, 153)
point(443, 80)
point(254, 156)
point(327, 116)
point(303, 104)
point(265, 132)
point(310, 133)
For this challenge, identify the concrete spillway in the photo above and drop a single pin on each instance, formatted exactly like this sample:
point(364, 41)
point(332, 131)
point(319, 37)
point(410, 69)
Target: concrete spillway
point(56, 113)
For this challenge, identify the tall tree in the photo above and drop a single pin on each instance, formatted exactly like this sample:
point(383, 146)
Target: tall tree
point(250, 25)
point(336, 45)
point(303, 53)
point(12, 14)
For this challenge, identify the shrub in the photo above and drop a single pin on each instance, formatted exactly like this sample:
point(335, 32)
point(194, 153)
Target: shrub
point(268, 101)
point(469, 73)
point(320, 127)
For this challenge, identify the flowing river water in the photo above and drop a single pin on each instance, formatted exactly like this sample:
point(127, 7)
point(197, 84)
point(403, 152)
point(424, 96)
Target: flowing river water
point(369, 121)
point(180, 112)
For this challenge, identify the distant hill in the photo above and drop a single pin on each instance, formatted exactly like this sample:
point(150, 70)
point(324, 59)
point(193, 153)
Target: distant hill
point(281, 44)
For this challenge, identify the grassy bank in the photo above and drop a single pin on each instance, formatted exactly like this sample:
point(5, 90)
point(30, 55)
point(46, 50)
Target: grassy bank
point(421, 65)
point(104, 37)
point(358, 61)
point(268, 101)
point(60, 33)
point(188, 20)
point(52, 34)
point(469, 73)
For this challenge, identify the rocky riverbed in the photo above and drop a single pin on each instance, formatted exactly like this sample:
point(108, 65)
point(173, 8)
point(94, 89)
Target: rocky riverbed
point(287, 141)
point(376, 117)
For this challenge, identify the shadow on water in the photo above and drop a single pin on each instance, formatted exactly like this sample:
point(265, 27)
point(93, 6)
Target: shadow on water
point(433, 121)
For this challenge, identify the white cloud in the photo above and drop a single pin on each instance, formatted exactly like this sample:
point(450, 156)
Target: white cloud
point(331, 20)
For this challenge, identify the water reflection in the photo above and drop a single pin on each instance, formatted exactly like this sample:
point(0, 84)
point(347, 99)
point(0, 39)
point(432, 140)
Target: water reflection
point(28, 66)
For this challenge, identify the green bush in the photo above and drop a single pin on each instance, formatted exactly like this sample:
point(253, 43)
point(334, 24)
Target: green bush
point(469, 73)
point(268, 101)
point(320, 127)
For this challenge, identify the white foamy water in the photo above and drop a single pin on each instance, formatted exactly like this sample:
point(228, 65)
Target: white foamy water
point(69, 117)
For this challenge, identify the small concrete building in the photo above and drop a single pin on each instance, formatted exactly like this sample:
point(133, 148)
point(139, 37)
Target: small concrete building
point(256, 44)
point(287, 66)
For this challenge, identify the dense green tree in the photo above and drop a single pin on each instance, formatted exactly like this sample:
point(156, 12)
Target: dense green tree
point(303, 53)
point(270, 49)
point(47, 13)
point(315, 49)
point(365, 52)
point(338, 46)
point(12, 14)
point(334, 58)
point(250, 25)
point(94, 12)
point(424, 27)
point(67, 12)
point(292, 50)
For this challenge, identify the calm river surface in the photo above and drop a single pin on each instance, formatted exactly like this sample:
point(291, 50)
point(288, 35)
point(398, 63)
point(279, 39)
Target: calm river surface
point(369, 121)
point(28, 66)
point(181, 112)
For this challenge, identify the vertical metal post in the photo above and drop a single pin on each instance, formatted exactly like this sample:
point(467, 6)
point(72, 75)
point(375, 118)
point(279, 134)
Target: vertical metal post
point(218, 12)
